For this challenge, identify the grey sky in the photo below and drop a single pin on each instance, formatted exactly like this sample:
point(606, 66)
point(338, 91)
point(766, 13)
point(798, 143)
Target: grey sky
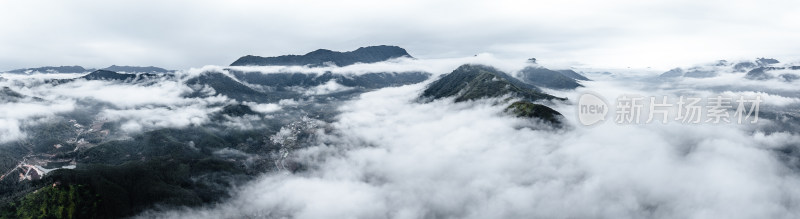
point(183, 34)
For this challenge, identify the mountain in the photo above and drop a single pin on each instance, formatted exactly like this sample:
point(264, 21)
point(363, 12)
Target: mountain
point(528, 109)
point(382, 79)
point(758, 74)
point(744, 66)
point(572, 74)
point(550, 79)
point(759, 69)
point(765, 73)
point(321, 57)
point(79, 69)
point(123, 177)
point(789, 77)
point(472, 82)
point(136, 69)
point(672, 73)
point(233, 110)
point(51, 69)
point(708, 70)
point(277, 86)
point(699, 73)
point(694, 72)
point(766, 61)
point(237, 110)
point(225, 85)
point(108, 75)
point(105, 75)
point(8, 95)
point(368, 80)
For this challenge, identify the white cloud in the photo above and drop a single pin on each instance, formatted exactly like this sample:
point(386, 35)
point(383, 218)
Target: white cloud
point(158, 103)
point(288, 102)
point(391, 157)
point(735, 80)
point(40, 77)
point(164, 92)
point(326, 88)
point(149, 118)
point(769, 99)
point(263, 107)
point(16, 115)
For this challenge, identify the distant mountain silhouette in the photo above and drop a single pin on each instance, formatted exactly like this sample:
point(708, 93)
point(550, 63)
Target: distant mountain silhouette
point(105, 75)
point(723, 66)
point(766, 61)
point(136, 69)
point(574, 75)
point(368, 80)
point(79, 69)
point(108, 75)
point(696, 73)
point(672, 73)
point(550, 79)
point(128, 77)
point(761, 73)
point(744, 66)
point(51, 69)
point(321, 57)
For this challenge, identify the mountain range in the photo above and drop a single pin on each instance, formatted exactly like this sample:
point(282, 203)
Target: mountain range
point(79, 69)
point(104, 170)
point(51, 69)
point(758, 69)
point(321, 57)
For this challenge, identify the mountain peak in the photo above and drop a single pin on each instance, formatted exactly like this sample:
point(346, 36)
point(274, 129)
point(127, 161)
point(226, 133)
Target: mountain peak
point(107, 75)
point(136, 69)
point(766, 61)
point(471, 82)
point(320, 57)
point(320, 51)
point(561, 79)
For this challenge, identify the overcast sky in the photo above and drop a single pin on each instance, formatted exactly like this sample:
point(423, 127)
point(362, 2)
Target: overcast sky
point(183, 34)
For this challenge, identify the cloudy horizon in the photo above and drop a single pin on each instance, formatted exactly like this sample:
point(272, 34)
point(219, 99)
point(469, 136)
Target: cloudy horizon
point(469, 128)
point(181, 35)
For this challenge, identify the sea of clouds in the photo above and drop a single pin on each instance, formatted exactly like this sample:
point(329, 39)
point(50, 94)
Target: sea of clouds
point(388, 155)
point(391, 156)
